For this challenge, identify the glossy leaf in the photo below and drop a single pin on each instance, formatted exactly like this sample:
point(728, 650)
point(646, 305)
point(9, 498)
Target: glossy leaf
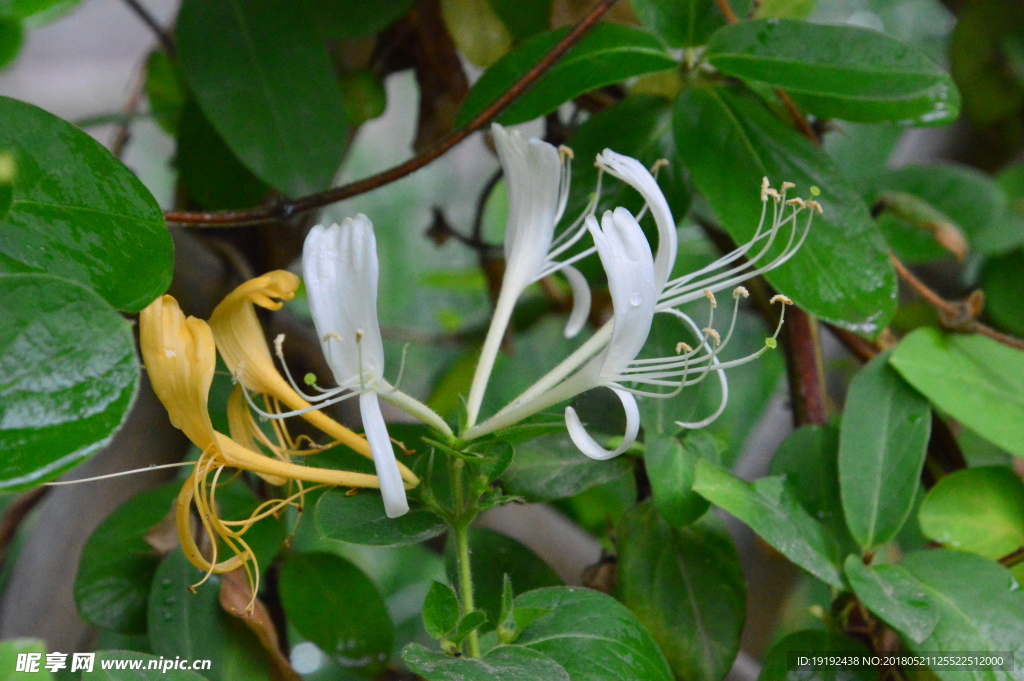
point(11, 35)
point(681, 23)
point(195, 627)
point(772, 511)
point(974, 604)
point(687, 587)
point(360, 519)
point(77, 213)
point(1004, 296)
point(976, 380)
point(882, 443)
point(838, 71)
point(776, 665)
point(551, 467)
point(440, 610)
point(968, 197)
point(842, 273)
point(333, 604)
point(504, 663)
point(494, 556)
point(144, 673)
point(980, 510)
point(592, 636)
point(893, 594)
point(68, 376)
point(672, 466)
point(609, 53)
point(249, 65)
point(809, 458)
point(117, 564)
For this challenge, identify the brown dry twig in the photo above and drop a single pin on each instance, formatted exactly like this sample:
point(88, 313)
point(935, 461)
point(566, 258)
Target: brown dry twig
point(288, 208)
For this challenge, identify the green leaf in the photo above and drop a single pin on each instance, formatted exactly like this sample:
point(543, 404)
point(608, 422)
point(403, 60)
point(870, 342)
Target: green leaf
point(551, 467)
point(671, 467)
point(504, 663)
point(772, 511)
point(968, 197)
point(250, 65)
point(809, 458)
point(523, 18)
point(494, 557)
point(468, 623)
point(785, 9)
point(195, 627)
point(838, 71)
point(882, 443)
point(68, 377)
point(165, 92)
point(333, 604)
point(440, 610)
point(978, 381)
point(895, 596)
point(980, 510)
point(687, 587)
point(360, 519)
point(36, 13)
point(347, 19)
point(11, 35)
point(144, 673)
point(842, 273)
point(77, 213)
point(776, 665)
point(1004, 296)
point(609, 53)
point(117, 564)
point(975, 605)
point(639, 126)
point(9, 651)
point(681, 23)
point(592, 636)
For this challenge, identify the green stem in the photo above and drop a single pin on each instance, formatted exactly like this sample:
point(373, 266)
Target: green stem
point(460, 530)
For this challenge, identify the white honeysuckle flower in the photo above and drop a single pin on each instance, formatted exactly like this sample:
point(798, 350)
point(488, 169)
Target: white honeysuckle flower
point(608, 358)
point(341, 271)
point(537, 177)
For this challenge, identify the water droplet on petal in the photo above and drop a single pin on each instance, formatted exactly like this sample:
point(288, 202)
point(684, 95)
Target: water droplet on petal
point(635, 299)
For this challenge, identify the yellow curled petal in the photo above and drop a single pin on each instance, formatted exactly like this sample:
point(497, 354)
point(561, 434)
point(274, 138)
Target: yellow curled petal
point(180, 356)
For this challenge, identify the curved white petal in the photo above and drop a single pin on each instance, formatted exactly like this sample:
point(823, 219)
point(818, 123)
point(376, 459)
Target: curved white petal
point(581, 300)
point(586, 444)
point(628, 263)
point(340, 269)
point(633, 173)
point(391, 486)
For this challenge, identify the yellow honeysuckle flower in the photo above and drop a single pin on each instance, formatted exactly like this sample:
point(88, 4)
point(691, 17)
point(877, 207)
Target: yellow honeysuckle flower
point(180, 356)
point(243, 346)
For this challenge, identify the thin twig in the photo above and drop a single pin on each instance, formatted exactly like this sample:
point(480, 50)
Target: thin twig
point(805, 128)
point(123, 133)
point(730, 16)
point(956, 316)
point(161, 35)
point(287, 209)
point(1013, 559)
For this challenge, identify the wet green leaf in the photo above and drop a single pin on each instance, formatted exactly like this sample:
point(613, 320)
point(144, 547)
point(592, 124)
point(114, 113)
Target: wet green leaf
point(117, 564)
point(672, 466)
point(608, 54)
point(249, 65)
point(976, 380)
point(687, 587)
point(551, 467)
point(68, 376)
point(504, 663)
point(145, 673)
point(843, 72)
point(772, 511)
point(882, 444)
point(77, 213)
point(681, 23)
point(333, 604)
point(842, 273)
point(360, 519)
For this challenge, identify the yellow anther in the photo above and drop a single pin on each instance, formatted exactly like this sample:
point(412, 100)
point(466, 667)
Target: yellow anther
point(329, 336)
point(566, 152)
point(740, 292)
point(658, 165)
point(713, 335)
point(797, 202)
point(764, 189)
point(774, 194)
point(711, 298)
point(681, 347)
point(814, 205)
point(786, 186)
point(779, 298)
point(279, 344)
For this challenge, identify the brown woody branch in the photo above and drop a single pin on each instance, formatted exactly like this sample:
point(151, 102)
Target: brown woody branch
point(285, 209)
